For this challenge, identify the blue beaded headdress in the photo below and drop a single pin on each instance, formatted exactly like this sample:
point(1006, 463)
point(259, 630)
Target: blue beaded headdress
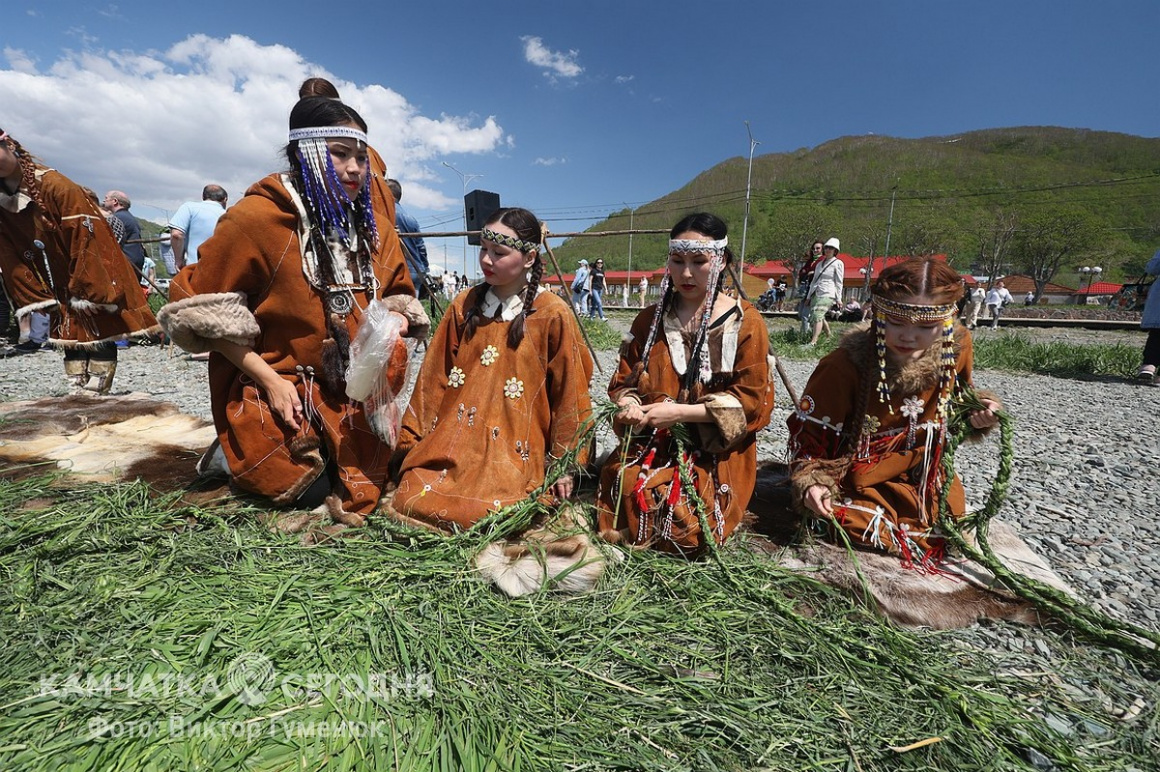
point(323, 191)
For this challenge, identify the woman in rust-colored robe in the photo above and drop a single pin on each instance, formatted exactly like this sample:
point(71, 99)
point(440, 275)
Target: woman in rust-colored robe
point(701, 359)
point(278, 292)
point(867, 437)
point(59, 256)
point(492, 410)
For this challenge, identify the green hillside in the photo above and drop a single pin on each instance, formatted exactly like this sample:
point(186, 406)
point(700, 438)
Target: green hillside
point(1038, 200)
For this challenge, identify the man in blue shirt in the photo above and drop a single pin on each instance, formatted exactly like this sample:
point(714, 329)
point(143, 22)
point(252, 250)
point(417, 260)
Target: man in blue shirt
point(195, 222)
point(416, 250)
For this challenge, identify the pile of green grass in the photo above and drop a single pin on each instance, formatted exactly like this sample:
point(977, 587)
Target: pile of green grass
point(109, 592)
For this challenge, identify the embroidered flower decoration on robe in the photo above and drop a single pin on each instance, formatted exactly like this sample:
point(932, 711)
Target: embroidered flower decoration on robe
point(912, 407)
point(513, 389)
point(489, 355)
point(870, 424)
point(456, 378)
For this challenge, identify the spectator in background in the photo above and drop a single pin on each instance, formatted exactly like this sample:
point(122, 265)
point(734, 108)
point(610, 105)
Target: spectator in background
point(1029, 298)
point(1150, 321)
point(997, 298)
point(580, 289)
point(805, 276)
point(194, 223)
point(118, 203)
point(642, 287)
point(975, 305)
point(413, 247)
point(167, 256)
point(597, 286)
point(825, 288)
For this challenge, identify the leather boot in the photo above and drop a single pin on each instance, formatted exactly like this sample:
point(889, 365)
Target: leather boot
point(101, 372)
point(77, 372)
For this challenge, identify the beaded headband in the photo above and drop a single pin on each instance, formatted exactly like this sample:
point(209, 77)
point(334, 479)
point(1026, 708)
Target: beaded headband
point(716, 247)
point(323, 132)
point(915, 312)
point(508, 241)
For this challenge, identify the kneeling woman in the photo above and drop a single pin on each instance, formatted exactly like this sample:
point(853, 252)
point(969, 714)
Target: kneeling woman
point(701, 359)
point(502, 391)
point(502, 394)
point(867, 437)
point(277, 294)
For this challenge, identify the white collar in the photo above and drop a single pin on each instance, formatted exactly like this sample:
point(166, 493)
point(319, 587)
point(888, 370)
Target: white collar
point(511, 308)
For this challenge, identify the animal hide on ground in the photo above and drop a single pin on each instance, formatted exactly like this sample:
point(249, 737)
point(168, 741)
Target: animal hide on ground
point(104, 439)
point(966, 594)
point(559, 555)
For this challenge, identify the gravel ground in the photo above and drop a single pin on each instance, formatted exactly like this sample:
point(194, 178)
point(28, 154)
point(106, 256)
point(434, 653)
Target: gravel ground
point(1082, 493)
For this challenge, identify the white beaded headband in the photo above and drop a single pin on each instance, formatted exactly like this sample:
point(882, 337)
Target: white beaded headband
point(324, 132)
point(716, 247)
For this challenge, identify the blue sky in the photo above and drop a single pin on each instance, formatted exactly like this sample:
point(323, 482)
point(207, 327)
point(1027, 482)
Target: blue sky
point(573, 109)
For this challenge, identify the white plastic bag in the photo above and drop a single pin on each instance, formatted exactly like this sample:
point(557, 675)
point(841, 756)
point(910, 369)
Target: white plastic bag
point(377, 371)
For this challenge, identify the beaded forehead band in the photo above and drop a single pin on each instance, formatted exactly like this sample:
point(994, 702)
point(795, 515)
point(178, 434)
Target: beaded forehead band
point(686, 246)
point(328, 203)
point(915, 312)
point(508, 241)
point(943, 314)
point(325, 132)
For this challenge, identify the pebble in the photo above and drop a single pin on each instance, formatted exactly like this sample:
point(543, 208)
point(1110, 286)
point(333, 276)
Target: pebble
point(1084, 487)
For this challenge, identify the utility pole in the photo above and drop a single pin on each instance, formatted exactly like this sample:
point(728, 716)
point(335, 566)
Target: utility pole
point(464, 178)
point(753, 143)
point(889, 225)
point(631, 212)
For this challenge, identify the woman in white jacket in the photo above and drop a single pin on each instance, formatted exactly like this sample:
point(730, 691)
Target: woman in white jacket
point(825, 288)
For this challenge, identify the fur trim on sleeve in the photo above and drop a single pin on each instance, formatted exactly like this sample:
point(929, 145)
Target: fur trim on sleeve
point(42, 305)
point(816, 471)
point(195, 323)
point(418, 325)
point(728, 425)
point(89, 307)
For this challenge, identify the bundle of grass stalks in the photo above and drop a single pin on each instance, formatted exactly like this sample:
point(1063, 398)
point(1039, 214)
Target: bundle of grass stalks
point(142, 633)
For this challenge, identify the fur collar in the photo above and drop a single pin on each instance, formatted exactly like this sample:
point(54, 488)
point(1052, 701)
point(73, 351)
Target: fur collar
point(913, 377)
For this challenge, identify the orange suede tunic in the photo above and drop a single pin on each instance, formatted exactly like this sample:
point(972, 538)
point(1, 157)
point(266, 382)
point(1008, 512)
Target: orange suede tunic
point(81, 264)
point(254, 259)
point(740, 397)
point(887, 486)
point(485, 420)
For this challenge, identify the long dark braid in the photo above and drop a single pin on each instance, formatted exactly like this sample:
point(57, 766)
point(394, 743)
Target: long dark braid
point(28, 167)
point(516, 331)
point(473, 316)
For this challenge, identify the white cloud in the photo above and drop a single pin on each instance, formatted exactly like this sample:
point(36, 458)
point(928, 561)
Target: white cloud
point(160, 125)
point(20, 61)
point(549, 161)
point(555, 63)
point(624, 79)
